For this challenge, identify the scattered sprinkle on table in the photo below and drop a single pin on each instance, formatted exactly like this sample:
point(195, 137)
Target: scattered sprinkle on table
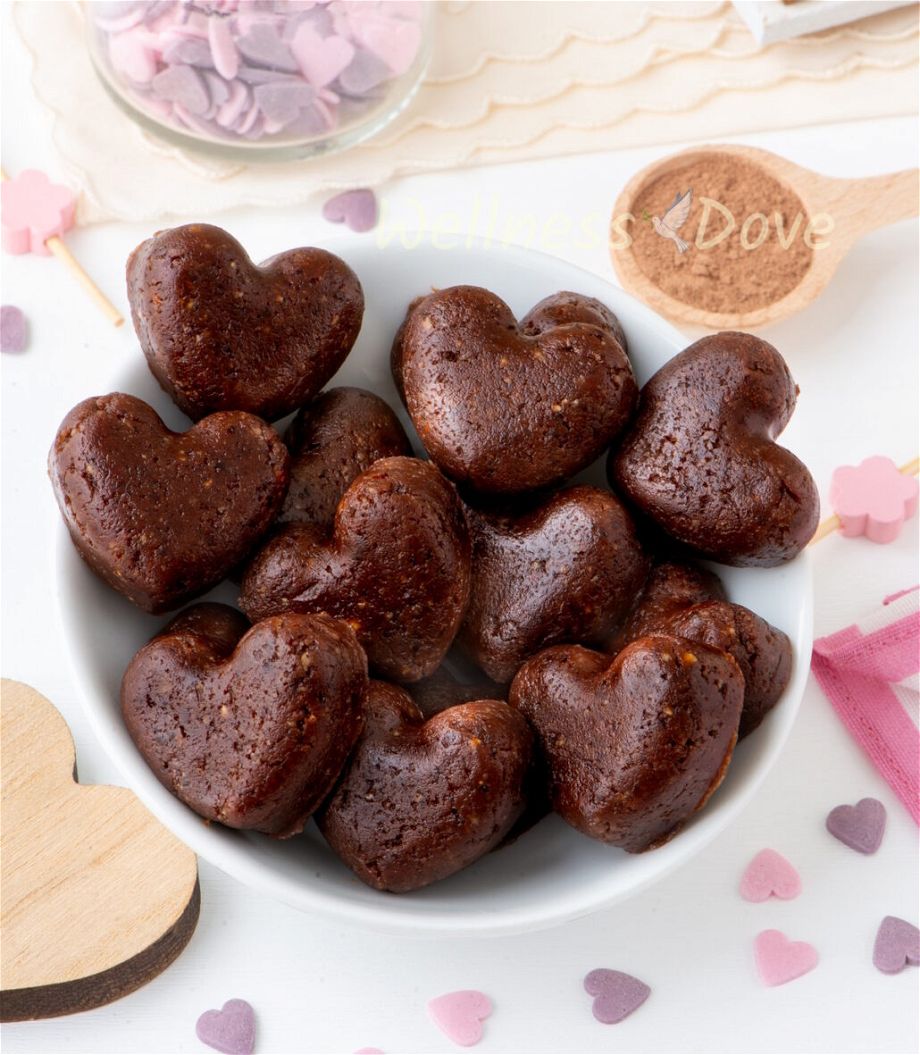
point(13, 329)
point(616, 995)
point(770, 875)
point(780, 960)
point(232, 1030)
point(357, 209)
point(860, 827)
point(897, 944)
point(459, 1015)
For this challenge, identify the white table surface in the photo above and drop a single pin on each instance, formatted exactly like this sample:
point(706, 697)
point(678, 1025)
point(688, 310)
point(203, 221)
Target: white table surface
point(322, 987)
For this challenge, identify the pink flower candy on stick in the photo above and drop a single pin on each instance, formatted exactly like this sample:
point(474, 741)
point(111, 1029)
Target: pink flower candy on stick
point(873, 499)
point(35, 213)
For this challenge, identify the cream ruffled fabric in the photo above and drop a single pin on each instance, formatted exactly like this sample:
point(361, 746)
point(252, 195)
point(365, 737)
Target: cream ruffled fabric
point(508, 81)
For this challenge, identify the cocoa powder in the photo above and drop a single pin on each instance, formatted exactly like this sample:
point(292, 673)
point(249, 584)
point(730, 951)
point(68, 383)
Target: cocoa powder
point(738, 273)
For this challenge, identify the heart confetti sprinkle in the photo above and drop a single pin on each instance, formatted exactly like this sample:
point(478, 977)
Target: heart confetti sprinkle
point(897, 944)
point(231, 1030)
point(13, 329)
point(357, 209)
point(860, 827)
point(459, 1015)
point(770, 875)
point(780, 960)
point(616, 995)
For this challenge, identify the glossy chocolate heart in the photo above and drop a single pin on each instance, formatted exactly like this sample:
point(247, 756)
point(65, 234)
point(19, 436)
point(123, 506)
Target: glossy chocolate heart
point(700, 458)
point(422, 799)
point(220, 333)
point(503, 410)
point(635, 743)
point(396, 566)
point(163, 516)
point(564, 570)
point(689, 602)
point(248, 727)
point(333, 440)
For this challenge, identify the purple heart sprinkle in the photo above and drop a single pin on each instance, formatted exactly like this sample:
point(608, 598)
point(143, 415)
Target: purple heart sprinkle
point(616, 995)
point(191, 51)
point(232, 1030)
point(255, 75)
point(281, 102)
point(896, 945)
point(182, 85)
point(262, 46)
point(218, 88)
point(13, 335)
point(356, 208)
point(364, 73)
point(860, 827)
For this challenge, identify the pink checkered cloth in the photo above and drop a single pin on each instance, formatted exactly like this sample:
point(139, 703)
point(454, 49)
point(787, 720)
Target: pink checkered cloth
point(871, 674)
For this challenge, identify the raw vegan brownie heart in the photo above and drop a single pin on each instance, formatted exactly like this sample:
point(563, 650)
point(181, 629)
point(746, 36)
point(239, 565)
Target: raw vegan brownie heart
point(636, 743)
point(396, 567)
point(248, 727)
point(688, 602)
point(503, 410)
point(332, 440)
point(701, 460)
point(163, 516)
point(422, 799)
point(564, 570)
point(220, 333)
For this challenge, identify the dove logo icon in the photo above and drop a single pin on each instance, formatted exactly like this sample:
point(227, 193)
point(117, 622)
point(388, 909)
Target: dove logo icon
point(674, 218)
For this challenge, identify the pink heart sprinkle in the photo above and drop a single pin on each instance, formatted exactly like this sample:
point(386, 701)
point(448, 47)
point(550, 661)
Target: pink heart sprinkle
point(231, 1030)
point(459, 1015)
point(616, 995)
point(321, 59)
point(896, 945)
point(860, 827)
point(780, 960)
point(355, 208)
point(770, 874)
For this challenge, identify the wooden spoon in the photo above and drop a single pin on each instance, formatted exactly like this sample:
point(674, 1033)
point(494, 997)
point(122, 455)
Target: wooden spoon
point(856, 206)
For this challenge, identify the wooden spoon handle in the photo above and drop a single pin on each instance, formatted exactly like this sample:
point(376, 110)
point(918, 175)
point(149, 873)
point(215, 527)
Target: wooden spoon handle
point(862, 205)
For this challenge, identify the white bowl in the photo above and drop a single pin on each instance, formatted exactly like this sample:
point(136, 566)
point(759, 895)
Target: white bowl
point(552, 873)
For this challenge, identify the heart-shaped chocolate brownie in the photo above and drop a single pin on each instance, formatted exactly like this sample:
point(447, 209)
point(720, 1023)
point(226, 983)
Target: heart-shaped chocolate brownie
point(248, 727)
point(220, 333)
point(422, 799)
point(503, 410)
point(558, 309)
point(635, 743)
point(332, 440)
point(162, 516)
point(700, 459)
point(564, 570)
point(396, 567)
point(688, 602)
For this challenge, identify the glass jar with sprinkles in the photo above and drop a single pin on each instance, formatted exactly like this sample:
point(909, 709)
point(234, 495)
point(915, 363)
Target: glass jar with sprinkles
point(264, 79)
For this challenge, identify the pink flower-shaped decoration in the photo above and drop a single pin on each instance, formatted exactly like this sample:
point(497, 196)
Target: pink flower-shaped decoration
point(33, 210)
point(873, 499)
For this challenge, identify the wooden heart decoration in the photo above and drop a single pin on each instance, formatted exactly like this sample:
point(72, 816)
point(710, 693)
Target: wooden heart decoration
point(701, 460)
point(396, 567)
point(421, 800)
point(635, 743)
point(507, 409)
point(98, 897)
point(162, 516)
point(220, 333)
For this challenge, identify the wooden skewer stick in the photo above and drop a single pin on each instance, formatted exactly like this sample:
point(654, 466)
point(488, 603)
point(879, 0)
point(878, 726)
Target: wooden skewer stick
point(57, 247)
point(830, 525)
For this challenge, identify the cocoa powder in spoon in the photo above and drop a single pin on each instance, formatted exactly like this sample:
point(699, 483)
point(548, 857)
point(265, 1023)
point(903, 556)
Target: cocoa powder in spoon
point(757, 263)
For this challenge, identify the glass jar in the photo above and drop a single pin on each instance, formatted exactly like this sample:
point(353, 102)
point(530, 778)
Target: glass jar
point(261, 79)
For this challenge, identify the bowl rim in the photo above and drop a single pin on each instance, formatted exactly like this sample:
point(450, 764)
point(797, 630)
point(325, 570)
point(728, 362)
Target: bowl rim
point(392, 914)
